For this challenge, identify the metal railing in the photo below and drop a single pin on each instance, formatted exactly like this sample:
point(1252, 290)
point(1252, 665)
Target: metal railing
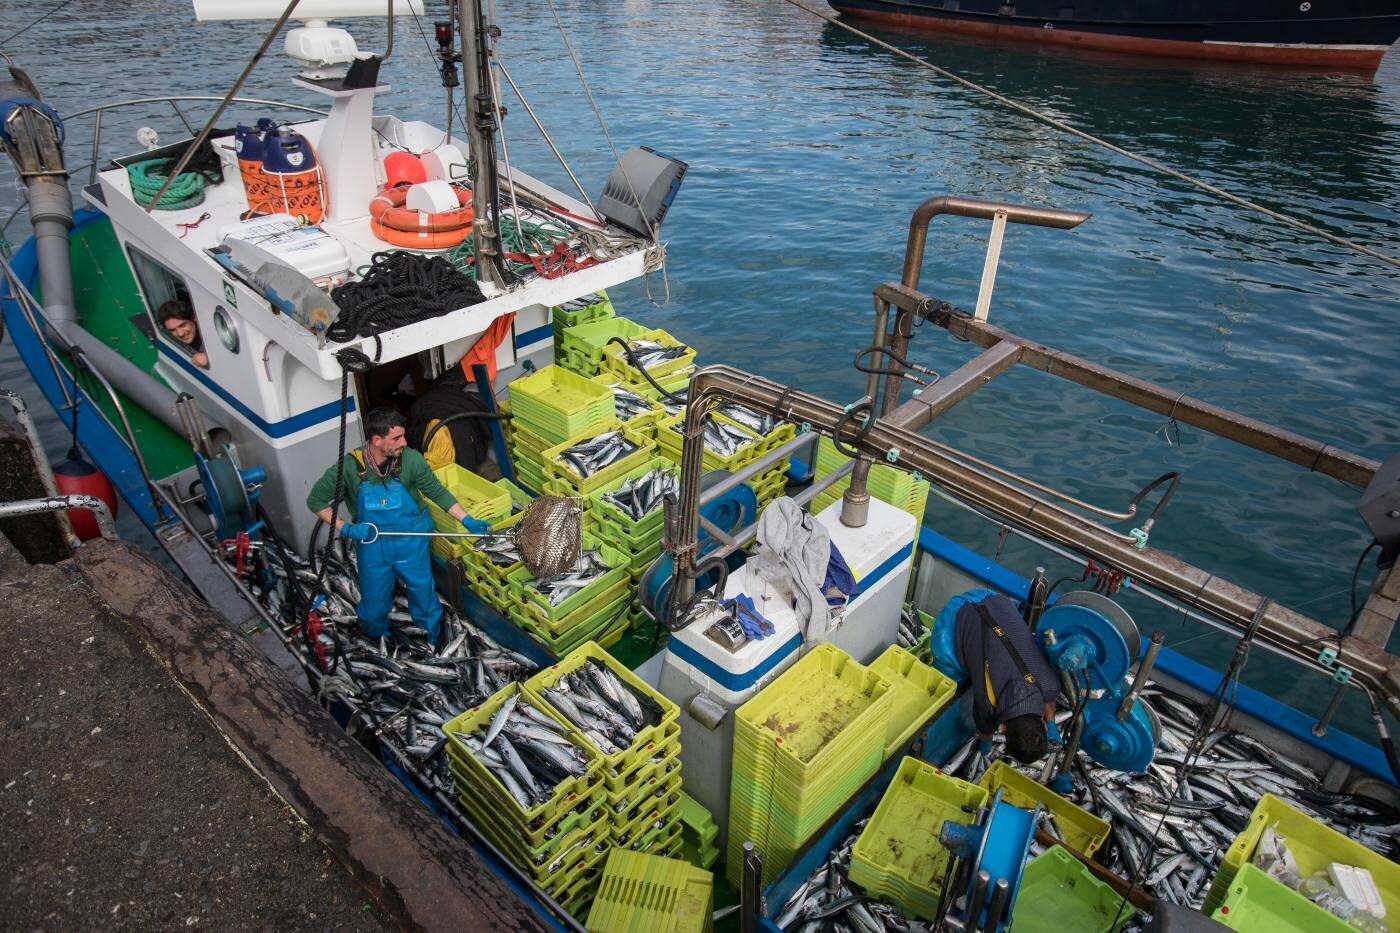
point(34, 314)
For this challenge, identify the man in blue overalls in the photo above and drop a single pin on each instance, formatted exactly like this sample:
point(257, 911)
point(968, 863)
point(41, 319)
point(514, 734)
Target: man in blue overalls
point(384, 485)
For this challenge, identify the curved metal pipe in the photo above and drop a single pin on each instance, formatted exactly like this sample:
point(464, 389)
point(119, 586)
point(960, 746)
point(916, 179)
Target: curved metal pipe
point(63, 504)
point(914, 257)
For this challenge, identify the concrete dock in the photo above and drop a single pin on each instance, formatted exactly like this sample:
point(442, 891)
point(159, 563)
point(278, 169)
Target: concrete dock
point(120, 804)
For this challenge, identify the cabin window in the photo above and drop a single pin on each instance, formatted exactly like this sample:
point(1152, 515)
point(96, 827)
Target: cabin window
point(170, 306)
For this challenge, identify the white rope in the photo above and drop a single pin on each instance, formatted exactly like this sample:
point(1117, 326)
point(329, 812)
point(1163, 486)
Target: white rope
point(1065, 127)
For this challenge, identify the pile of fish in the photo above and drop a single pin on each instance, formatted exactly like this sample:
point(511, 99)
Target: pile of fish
point(403, 686)
point(499, 549)
point(590, 456)
point(677, 402)
point(588, 568)
point(911, 630)
point(528, 751)
point(828, 901)
point(758, 422)
point(649, 353)
point(725, 439)
point(629, 403)
point(1171, 836)
point(641, 495)
point(606, 710)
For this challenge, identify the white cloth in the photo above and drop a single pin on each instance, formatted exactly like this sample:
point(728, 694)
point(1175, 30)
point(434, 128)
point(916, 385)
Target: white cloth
point(793, 551)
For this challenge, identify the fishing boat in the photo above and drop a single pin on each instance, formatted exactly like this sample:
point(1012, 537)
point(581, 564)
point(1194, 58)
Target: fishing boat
point(670, 696)
point(1355, 36)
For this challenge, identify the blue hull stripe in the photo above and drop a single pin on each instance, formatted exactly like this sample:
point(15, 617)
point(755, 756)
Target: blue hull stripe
point(868, 581)
point(327, 412)
point(534, 336)
point(731, 680)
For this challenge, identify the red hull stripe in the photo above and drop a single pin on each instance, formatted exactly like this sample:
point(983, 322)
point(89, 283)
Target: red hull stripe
point(1351, 58)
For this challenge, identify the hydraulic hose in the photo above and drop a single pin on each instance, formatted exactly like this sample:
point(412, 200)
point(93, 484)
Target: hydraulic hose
point(460, 416)
point(1174, 478)
point(632, 358)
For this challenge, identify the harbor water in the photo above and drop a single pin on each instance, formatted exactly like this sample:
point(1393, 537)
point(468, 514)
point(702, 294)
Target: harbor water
point(808, 150)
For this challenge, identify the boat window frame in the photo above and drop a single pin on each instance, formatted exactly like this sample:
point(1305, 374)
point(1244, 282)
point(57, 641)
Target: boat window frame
point(140, 262)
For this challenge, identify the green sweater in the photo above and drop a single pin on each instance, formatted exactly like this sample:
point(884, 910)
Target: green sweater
point(414, 473)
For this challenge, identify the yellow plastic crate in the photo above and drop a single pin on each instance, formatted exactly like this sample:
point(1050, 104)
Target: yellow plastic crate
point(616, 361)
point(650, 894)
point(557, 404)
point(1082, 830)
point(919, 693)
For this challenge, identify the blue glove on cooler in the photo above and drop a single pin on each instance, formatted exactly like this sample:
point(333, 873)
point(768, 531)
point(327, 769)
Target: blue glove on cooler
point(749, 618)
point(475, 525)
point(355, 531)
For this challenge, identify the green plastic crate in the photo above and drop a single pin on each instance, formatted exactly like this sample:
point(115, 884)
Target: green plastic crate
point(606, 628)
point(650, 894)
point(1082, 831)
point(582, 345)
point(557, 404)
point(643, 421)
point(565, 796)
point(823, 700)
point(628, 530)
point(614, 360)
point(662, 804)
point(1059, 893)
point(595, 307)
point(648, 740)
point(561, 616)
point(556, 468)
point(658, 757)
point(671, 443)
point(481, 498)
point(919, 693)
point(898, 855)
point(1313, 845)
point(699, 822)
point(1256, 903)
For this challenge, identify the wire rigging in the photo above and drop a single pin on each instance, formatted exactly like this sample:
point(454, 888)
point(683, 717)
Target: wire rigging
point(1098, 141)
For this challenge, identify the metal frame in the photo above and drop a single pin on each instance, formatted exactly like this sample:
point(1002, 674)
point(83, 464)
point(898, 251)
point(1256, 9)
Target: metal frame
point(893, 437)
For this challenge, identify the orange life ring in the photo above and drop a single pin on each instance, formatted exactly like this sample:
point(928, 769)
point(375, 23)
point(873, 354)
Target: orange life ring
point(422, 238)
point(387, 209)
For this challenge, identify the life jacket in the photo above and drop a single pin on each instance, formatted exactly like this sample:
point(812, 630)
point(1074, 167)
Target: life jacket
point(465, 442)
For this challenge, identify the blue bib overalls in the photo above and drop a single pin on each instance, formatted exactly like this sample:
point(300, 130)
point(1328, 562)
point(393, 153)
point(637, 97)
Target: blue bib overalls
point(391, 507)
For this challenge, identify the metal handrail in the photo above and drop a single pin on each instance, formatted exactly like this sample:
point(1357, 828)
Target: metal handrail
point(34, 312)
point(172, 101)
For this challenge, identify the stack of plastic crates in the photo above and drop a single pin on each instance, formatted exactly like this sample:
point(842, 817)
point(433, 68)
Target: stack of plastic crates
point(560, 843)
point(918, 691)
point(1058, 892)
point(636, 408)
point(550, 407)
point(642, 782)
point(699, 833)
point(488, 579)
point(898, 857)
point(802, 747)
point(582, 310)
point(484, 500)
point(640, 538)
point(646, 894)
point(615, 360)
point(562, 477)
point(1313, 845)
point(600, 611)
point(768, 485)
point(886, 483)
point(580, 347)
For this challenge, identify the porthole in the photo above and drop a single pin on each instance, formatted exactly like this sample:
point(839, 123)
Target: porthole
point(223, 326)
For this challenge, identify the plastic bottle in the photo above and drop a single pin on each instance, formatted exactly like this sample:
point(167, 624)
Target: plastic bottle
point(1367, 922)
point(1315, 885)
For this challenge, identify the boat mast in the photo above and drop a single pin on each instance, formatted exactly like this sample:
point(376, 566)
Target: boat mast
point(481, 138)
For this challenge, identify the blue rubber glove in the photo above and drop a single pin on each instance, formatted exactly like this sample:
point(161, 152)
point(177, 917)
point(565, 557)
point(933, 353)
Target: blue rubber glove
point(475, 525)
point(984, 747)
point(356, 531)
point(752, 621)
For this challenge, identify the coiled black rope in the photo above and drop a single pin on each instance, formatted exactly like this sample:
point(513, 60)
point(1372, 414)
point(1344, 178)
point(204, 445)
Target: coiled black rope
point(399, 288)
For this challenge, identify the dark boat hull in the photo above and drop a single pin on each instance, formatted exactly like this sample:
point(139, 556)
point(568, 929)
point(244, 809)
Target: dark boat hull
point(1275, 32)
